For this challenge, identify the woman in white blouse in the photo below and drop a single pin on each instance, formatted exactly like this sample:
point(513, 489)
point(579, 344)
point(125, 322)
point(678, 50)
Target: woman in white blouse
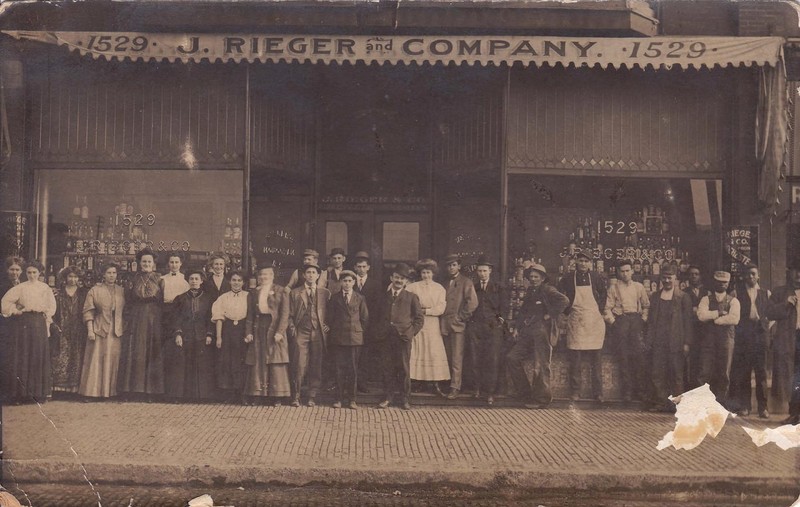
point(428, 356)
point(229, 313)
point(30, 307)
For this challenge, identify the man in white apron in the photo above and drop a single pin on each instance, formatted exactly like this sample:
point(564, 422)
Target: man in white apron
point(586, 329)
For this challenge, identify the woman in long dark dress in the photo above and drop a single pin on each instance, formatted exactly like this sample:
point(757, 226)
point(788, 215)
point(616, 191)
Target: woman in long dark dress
point(189, 354)
point(267, 350)
point(142, 363)
point(13, 270)
point(229, 312)
point(30, 307)
point(66, 349)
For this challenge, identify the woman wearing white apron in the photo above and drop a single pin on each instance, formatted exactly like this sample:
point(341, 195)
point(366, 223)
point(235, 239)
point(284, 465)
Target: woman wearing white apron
point(586, 329)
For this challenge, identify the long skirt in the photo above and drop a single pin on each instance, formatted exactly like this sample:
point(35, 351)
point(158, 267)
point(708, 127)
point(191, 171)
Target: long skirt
point(67, 353)
point(142, 361)
point(263, 377)
point(189, 368)
point(230, 358)
point(101, 367)
point(26, 361)
point(428, 355)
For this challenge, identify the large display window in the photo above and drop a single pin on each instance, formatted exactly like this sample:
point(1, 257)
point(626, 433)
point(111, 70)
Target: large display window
point(87, 217)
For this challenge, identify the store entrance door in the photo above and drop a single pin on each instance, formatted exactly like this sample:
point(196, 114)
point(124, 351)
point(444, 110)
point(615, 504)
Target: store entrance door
point(388, 237)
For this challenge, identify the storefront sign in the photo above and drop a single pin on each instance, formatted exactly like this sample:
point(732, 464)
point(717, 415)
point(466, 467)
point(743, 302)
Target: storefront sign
point(741, 247)
point(694, 52)
point(364, 202)
point(795, 194)
point(14, 233)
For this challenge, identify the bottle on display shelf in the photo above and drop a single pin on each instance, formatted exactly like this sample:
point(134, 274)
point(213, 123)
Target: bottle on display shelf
point(134, 265)
point(228, 228)
point(51, 276)
point(237, 229)
point(89, 263)
point(85, 209)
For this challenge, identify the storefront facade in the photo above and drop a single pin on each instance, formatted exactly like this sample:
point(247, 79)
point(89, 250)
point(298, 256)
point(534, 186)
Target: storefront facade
point(516, 132)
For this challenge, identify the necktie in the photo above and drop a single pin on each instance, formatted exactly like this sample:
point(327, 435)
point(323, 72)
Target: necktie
point(360, 283)
point(174, 274)
point(394, 295)
point(483, 286)
point(347, 297)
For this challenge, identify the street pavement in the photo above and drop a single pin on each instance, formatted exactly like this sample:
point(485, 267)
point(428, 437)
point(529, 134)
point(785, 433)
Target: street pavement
point(568, 448)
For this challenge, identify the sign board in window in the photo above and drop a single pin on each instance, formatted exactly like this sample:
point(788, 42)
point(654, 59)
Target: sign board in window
point(740, 247)
point(400, 241)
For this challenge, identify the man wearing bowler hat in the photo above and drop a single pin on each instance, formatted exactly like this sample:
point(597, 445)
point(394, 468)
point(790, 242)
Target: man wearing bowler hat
point(485, 331)
point(719, 311)
point(308, 325)
point(538, 333)
point(586, 329)
point(335, 268)
point(399, 317)
point(461, 302)
point(784, 309)
point(310, 256)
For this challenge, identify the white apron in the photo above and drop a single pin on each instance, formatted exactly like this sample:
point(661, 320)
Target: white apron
point(586, 328)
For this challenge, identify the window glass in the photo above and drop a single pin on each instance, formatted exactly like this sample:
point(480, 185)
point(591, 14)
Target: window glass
point(400, 241)
point(335, 236)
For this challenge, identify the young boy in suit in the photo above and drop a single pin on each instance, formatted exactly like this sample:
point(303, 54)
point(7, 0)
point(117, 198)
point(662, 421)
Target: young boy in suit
point(348, 317)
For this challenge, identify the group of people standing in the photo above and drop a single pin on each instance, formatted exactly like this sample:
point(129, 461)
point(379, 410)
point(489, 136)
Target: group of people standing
point(200, 335)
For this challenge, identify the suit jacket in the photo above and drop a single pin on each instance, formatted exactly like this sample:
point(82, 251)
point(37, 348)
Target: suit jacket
point(599, 289)
point(278, 302)
point(554, 304)
point(332, 282)
point(371, 291)
point(299, 306)
point(210, 288)
point(296, 280)
point(97, 307)
point(785, 315)
point(461, 302)
point(680, 324)
point(347, 321)
point(492, 305)
point(404, 314)
point(762, 300)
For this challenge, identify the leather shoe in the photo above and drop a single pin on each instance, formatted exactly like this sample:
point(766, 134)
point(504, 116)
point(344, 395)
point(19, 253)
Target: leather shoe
point(353, 405)
point(383, 404)
point(763, 414)
point(295, 403)
point(477, 394)
point(792, 419)
point(453, 394)
point(311, 403)
point(337, 404)
point(406, 405)
point(490, 400)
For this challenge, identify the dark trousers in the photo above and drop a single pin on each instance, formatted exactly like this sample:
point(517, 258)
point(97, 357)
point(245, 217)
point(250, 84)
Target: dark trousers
point(454, 346)
point(485, 343)
point(717, 355)
point(628, 331)
point(596, 359)
point(749, 355)
point(535, 343)
point(396, 369)
point(794, 402)
point(695, 360)
point(666, 372)
point(307, 360)
point(346, 358)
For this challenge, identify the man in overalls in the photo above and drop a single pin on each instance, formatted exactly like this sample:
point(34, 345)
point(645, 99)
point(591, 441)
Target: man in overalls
point(586, 329)
point(720, 313)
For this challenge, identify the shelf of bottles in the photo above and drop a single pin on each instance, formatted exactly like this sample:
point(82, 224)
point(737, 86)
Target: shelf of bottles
point(645, 236)
point(231, 244)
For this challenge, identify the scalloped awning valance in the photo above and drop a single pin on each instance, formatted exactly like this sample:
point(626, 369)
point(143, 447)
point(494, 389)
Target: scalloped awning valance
point(655, 52)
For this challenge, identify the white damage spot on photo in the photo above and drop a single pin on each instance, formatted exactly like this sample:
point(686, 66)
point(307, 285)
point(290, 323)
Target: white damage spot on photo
point(785, 437)
point(187, 156)
point(796, 503)
point(698, 415)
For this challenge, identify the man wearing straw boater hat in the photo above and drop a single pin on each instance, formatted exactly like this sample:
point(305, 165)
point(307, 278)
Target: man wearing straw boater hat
point(720, 313)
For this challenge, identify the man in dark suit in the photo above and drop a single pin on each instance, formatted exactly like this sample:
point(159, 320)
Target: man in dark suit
point(348, 316)
point(309, 328)
point(461, 302)
point(398, 319)
point(485, 331)
point(371, 288)
point(696, 291)
point(335, 269)
point(669, 337)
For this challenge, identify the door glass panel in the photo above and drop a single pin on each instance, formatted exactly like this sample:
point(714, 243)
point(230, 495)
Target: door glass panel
point(400, 241)
point(335, 236)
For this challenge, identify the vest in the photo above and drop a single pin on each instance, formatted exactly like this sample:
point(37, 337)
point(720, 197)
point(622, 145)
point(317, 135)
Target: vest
point(746, 304)
point(310, 319)
point(486, 311)
point(714, 329)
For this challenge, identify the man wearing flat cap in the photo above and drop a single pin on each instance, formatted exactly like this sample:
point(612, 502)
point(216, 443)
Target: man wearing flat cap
point(398, 318)
point(538, 331)
point(485, 331)
point(310, 256)
point(586, 329)
point(784, 308)
point(309, 329)
point(669, 335)
point(348, 317)
point(719, 311)
point(461, 302)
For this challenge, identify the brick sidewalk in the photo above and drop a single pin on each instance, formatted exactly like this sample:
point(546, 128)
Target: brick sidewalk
point(479, 447)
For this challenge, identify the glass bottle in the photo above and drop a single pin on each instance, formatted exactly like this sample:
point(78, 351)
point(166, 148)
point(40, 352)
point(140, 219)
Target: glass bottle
point(85, 209)
point(228, 228)
point(237, 230)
